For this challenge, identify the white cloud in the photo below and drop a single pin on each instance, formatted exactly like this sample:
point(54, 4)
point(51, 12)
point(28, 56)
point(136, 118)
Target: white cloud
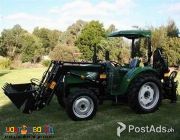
point(61, 17)
point(169, 9)
point(106, 12)
point(24, 16)
point(28, 21)
point(174, 8)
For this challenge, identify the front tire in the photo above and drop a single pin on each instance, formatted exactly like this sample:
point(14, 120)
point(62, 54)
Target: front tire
point(145, 93)
point(81, 104)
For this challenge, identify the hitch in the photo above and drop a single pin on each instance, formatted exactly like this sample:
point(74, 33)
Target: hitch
point(170, 87)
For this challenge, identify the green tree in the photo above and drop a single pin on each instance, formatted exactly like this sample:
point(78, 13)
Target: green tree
point(53, 36)
point(70, 35)
point(49, 38)
point(111, 28)
point(118, 48)
point(170, 44)
point(11, 41)
point(173, 51)
point(91, 35)
point(3, 50)
point(172, 30)
point(42, 33)
point(32, 48)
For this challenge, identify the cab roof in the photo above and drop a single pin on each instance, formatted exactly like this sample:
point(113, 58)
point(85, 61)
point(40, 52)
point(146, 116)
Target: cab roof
point(131, 34)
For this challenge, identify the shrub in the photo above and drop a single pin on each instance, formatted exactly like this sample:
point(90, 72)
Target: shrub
point(4, 63)
point(46, 63)
point(63, 52)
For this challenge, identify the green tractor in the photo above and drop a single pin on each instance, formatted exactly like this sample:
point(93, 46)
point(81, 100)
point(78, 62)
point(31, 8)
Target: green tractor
point(81, 86)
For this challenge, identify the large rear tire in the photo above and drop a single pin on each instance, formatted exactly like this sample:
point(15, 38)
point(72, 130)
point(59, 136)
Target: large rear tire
point(81, 104)
point(145, 93)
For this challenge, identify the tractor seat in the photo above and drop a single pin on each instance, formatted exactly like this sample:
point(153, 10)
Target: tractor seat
point(134, 63)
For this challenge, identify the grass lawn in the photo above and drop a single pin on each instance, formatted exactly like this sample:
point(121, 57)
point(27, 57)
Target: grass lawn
point(102, 127)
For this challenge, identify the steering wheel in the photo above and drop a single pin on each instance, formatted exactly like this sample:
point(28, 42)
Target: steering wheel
point(114, 63)
point(35, 81)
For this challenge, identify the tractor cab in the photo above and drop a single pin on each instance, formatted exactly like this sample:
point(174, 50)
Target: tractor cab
point(158, 60)
point(119, 74)
point(133, 35)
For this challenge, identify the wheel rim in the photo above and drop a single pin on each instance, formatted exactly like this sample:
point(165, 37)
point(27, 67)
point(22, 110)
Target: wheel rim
point(148, 95)
point(83, 107)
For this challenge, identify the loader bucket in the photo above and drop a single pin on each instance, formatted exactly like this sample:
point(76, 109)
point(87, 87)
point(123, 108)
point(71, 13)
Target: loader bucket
point(22, 95)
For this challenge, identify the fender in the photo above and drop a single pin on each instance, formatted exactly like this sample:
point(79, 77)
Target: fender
point(131, 75)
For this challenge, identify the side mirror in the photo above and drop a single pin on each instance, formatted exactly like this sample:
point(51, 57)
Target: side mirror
point(107, 56)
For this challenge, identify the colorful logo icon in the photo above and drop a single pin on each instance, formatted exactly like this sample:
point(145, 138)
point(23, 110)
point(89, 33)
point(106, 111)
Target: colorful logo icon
point(24, 130)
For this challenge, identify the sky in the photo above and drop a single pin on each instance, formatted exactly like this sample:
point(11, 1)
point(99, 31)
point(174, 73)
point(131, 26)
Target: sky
point(59, 14)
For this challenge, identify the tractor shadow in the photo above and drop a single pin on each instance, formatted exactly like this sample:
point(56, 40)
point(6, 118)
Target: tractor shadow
point(54, 113)
point(9, 114)
point(3, 73)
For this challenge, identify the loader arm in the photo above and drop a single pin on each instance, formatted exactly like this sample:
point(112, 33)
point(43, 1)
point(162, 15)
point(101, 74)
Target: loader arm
point(35, 95)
